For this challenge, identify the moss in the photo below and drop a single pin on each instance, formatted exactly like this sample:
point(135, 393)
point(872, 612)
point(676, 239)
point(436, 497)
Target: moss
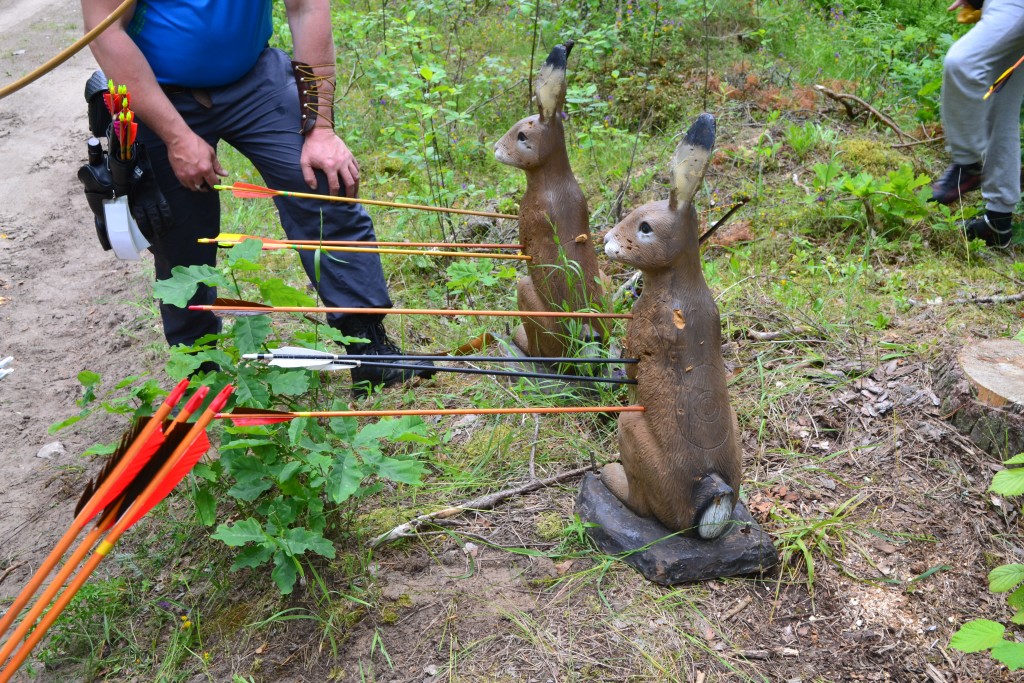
point(549, 526)
point(873, 156)
point(389, 615)
point(382, 519)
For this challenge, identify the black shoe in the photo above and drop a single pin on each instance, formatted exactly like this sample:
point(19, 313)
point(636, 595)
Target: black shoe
point(957, 181)
point(995, 227)
point(365, 378)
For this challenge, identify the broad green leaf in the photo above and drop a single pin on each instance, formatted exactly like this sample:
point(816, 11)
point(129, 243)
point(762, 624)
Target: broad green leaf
point(252, 557)
point(1016, 599)
point(288, 471)
point(288, 382)
point(235, 444)
point(404, 471)
point(299, 540)
point(389, 430)
point(252, 477)
point(1018, 618)
point(100, 449)
point(1010, 654)
point(181, 365)
point(244, 255)
point(1005, 578)
point(299, 428)
point(183, 283)
point(284, 573)
point(1017, 459)
point(250, 332)
point(208, 471)
point(978, 635)
point(88, 378)
point(345, 428)
point(56, 427)
point(244, 531)
point(1008, 482)
point(206, 506)
point(345, 478)
point(249, 389)
point(275, 292)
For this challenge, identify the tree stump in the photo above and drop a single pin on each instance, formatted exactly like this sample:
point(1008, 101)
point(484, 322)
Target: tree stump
point(982, 392)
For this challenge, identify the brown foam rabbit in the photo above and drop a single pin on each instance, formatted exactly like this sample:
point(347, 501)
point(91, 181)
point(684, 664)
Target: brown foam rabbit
point(680, 459)
point(554, 223)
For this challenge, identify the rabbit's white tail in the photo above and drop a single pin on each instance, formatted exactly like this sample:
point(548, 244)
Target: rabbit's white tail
point(714, 518)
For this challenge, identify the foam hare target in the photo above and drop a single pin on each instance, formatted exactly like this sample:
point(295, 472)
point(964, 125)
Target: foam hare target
point(680, 459)
point(554, 223)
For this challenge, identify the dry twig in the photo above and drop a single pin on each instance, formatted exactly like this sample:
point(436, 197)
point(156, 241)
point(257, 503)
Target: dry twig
point(845, 99)
point(482, 503)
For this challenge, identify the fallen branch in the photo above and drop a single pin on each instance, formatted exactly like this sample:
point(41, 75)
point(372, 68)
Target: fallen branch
point(845, 99)
point(994, 299)
point(10, 569)
point(482, 503)
point(938, 138)
point(766, 336)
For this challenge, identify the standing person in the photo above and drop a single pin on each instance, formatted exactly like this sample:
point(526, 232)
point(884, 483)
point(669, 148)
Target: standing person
point(200, 71)
point(983, 136)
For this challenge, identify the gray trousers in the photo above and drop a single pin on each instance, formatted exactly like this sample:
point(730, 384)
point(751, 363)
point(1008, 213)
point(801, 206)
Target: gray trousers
point(259, 116)
point(987, 130)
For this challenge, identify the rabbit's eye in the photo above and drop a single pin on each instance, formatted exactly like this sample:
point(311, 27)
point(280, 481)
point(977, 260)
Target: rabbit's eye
point(521, 137)
point(645, 228)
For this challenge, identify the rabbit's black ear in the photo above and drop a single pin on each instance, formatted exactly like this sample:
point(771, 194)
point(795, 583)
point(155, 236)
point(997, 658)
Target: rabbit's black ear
point(690, 161)
point(549, 88)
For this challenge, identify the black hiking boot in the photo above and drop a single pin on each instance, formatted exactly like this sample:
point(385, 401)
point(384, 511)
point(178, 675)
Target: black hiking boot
point(365, 378)
point(995, 227)
point(958, 180)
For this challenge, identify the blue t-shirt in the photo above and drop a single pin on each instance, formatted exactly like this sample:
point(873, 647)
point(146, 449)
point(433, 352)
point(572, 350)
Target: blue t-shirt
point(201, 43)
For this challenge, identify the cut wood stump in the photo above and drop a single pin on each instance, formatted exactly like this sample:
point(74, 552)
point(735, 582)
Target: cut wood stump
point(982, 392)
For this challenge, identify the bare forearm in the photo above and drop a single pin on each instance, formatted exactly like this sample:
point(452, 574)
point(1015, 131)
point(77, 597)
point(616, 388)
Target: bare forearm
point(313, 43)
point(123, 62)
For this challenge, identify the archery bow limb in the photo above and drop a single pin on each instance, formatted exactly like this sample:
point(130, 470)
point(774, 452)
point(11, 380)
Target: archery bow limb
point(254, 416)
point(108, 487)
point(177, 465)
point(230, 238)
point(250, 308)
point(250, 191)
point(68, 52)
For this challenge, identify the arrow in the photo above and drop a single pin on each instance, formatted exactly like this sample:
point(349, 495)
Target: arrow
point(231, 238)
point(1001, 81)
point(308, 359)
point(110, 496)
point(240, 307)
point(274, 246)
point(174, 460)
point(4, 371)
point(302, 353)
point(137, 446)
point(250, 191)
point(245, 417)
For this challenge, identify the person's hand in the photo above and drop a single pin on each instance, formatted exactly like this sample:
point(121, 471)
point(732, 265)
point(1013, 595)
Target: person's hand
point(195, 162)
point(957, 5)
point(327, 152)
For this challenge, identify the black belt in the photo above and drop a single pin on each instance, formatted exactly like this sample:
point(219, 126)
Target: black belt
point(200, 95)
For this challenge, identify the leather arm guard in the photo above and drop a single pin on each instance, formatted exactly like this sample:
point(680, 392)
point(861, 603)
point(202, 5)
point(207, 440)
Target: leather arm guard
point(310, 105)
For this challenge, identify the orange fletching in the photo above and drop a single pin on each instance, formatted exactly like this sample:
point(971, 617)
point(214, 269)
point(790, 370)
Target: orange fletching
point(184, 465)
point(250, 191)
point(131, 471)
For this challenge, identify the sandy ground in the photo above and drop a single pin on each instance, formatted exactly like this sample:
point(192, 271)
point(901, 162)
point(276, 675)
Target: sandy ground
point(65, 304)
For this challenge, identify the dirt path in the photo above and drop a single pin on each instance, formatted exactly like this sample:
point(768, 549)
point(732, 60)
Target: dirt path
point(65, 304)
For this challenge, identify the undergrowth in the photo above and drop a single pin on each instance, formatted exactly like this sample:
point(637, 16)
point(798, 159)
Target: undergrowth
point(842, 251)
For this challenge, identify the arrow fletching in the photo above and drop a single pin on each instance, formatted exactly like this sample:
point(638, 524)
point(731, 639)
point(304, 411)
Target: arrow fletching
point(130, 471)
point(248, 190)
point(184, 465)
